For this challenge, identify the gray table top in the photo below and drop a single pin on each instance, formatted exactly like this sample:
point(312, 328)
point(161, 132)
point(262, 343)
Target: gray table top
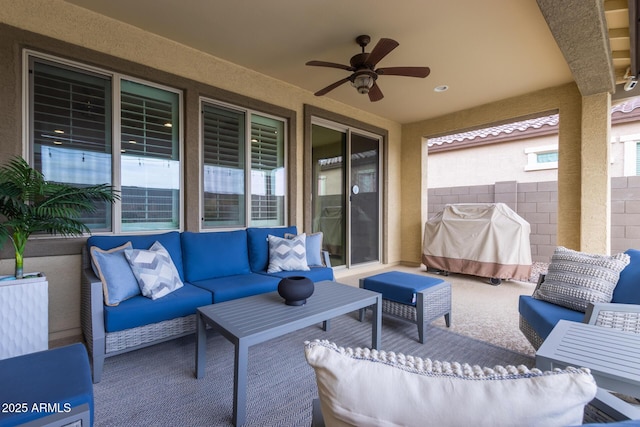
point(255, 315)
point(609, 353)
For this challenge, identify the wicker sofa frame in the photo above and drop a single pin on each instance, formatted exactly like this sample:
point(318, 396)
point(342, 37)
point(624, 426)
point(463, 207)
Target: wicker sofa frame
point(102, 344)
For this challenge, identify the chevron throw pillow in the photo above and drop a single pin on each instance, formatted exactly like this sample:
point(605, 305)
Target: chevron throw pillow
point(156, 274)
point(287, 254)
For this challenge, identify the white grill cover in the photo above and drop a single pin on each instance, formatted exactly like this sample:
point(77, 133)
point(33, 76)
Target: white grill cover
point(481, 239)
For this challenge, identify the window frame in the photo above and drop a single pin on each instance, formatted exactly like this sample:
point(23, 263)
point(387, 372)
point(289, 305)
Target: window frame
point(249, 113)
point(532, 158)
point(29, 55)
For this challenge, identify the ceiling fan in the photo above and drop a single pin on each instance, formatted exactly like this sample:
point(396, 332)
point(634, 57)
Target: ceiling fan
point(363, 68)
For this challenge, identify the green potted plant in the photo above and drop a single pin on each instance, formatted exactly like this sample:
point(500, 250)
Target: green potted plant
point(31, 204)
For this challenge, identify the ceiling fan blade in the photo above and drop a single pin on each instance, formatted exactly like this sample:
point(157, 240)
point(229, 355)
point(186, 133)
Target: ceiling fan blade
point(381, 50)
point(421, 72)
point(375, 94)
point(331, 87)
point(330, 65)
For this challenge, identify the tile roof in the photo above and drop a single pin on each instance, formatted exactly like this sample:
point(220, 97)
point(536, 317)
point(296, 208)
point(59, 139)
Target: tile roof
point(521, 128)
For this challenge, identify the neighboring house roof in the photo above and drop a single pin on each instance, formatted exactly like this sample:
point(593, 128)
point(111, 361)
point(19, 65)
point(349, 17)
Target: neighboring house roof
point(544, 125)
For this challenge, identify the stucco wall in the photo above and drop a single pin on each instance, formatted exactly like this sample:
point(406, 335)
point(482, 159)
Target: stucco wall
point(66, 30)
point(487, 164)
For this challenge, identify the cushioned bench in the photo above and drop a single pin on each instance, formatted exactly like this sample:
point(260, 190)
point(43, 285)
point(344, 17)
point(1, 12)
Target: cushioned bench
point(47, 388)
point(419, 299)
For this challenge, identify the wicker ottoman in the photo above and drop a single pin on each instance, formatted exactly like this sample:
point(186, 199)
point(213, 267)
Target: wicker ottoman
point(419, 299)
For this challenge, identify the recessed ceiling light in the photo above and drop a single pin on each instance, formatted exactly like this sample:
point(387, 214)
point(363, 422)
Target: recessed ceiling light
point(440, 88)
point(58, 131)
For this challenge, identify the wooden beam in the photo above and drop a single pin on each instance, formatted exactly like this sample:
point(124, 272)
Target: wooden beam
point(619, 33)
point(615, 5)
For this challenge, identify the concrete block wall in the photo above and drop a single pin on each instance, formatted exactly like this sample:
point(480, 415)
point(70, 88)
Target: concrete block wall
point(625, 213)
point(537, 203)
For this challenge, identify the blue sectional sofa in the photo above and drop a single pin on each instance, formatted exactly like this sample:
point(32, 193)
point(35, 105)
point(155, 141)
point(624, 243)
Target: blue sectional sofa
point(538, 318)
point(214, 267)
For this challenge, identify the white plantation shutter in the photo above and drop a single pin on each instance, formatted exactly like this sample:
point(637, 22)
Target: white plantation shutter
point(223, 172)
point(71, 127)
point(150, 158)
point(71, 130)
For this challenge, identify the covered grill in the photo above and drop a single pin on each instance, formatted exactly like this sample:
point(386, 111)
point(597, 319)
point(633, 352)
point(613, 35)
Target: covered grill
point(481, 239)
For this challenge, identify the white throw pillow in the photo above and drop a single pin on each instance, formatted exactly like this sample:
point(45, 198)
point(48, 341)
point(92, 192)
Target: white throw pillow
point(155, 271)
point(365, 387)
point(287, 254)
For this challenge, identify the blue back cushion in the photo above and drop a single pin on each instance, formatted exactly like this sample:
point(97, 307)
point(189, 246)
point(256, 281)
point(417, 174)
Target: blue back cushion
point(215, 254)
point(170, 240)
point(627, 291)
point(259, 246)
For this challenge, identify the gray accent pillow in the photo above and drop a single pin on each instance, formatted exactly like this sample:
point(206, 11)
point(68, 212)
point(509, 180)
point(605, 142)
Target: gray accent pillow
point(576, 279)
point(118, 281)
point(287, 254)
point(313, 246)
point(154, 269)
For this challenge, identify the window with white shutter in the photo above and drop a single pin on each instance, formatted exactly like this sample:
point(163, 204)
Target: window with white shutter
point(74, 140)
point(243, 177)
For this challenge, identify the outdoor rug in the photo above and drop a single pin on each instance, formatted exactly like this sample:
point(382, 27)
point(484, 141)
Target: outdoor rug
point(156, 386)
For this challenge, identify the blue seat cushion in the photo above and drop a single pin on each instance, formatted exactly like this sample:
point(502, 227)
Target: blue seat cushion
point(627, 290)
point(139, 310)
point(214, 254)
point(259, 246)
point(244, 285)
point(57, 377)
point(543, 315)
point(398, 286)
point(315, 273)
point(170, 241)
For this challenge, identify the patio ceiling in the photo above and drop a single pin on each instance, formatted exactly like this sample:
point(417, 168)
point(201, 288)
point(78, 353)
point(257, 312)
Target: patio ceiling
point(483, 51)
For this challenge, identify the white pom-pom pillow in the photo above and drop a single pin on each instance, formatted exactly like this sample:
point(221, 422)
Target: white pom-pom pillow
point(365, 387)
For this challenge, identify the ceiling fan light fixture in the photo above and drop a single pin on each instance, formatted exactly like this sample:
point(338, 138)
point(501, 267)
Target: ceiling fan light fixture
point(363, 83)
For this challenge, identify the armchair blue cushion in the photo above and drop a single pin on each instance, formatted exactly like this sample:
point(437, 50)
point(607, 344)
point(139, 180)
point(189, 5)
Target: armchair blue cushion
point(627, 291)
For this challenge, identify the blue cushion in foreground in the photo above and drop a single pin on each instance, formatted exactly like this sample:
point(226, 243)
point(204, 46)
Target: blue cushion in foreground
point(59, 378)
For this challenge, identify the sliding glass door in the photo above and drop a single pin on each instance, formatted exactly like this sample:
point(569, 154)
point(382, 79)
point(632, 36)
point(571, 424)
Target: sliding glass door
point(346, 193)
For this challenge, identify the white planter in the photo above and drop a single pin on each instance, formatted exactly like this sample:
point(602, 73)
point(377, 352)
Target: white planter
point(24, 316)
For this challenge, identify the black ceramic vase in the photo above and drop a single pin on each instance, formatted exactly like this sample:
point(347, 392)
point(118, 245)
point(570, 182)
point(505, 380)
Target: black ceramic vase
point(295, 289)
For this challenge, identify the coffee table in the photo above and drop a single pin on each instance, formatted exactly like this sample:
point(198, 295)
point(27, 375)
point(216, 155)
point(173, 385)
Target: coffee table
point(255, 319)
point(610, 354)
